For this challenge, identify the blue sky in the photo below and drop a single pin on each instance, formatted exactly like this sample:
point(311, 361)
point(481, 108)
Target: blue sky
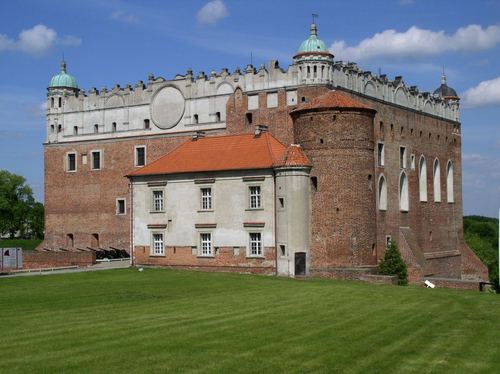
point(119, 41)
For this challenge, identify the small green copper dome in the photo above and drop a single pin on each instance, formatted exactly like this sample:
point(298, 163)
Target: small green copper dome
point(313, 44)
point(63, 79)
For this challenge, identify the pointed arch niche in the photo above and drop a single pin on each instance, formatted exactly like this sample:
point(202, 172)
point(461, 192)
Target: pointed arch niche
point(404, 200)
point(382, 193)
point(437, 181)
point(422, 178)
point(449, 182)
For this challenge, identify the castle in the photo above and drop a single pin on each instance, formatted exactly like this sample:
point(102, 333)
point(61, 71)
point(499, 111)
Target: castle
point(304, 171)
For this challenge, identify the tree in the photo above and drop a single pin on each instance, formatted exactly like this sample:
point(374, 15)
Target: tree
point(20, 215)
point(393, 264)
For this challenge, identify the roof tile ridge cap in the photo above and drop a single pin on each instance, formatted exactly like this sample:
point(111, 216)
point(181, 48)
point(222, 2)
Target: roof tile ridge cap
point(269, 149)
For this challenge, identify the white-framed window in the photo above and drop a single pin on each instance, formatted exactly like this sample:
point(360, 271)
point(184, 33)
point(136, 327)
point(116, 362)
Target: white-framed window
point(157, 244)
point(140, 155)
point(404, 201)
point(402, 157)
point(96, 159)
point(255, 197)
point(70, 161)
point(437, 181)
point(255, 244)
point(449, 182)
point(206, 244)
point(121, 206)
point(206, 198)
point(157, 201)
point(380, 154)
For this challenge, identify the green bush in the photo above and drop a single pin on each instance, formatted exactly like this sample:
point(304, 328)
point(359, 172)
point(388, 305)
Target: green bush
point(393, 264)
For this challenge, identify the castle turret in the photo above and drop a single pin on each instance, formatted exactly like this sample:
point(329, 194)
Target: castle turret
point(336, 134)
point(314, 60)
point(444, 91)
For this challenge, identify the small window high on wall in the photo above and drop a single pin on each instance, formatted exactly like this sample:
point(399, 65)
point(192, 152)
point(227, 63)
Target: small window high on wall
point(380, 154)
point(449, 183)
point(437, 181)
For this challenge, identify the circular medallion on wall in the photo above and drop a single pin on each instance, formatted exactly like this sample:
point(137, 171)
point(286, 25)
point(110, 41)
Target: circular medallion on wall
point(167, 107)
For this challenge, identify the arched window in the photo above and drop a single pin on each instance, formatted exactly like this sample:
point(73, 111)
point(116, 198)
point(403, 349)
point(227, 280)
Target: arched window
point(113, 127)
point(308, 72)
point(60, 102)
point(51, 102)
point(75, 130)
point(422, 178)
point(403, 193)
point(449, 182)
point(315, 71)
point(195, 118)
point(382, 193)
point(96, 128)
point(437, 181)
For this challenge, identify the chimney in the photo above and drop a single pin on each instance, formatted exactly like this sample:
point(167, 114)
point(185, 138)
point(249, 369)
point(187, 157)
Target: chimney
point(198, 135)
point(259, 129)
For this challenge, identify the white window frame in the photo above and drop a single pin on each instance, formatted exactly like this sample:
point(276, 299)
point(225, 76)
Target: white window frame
point(380, 154)
point(101, 153)
point(422, 179)
point(436, 180)
point(124, 206)
point(404, 192)
point(157, 204)
point(450, 197)
point(382, 193)
point(259, 245)
point(206, 244)
point(258, 197)
point(66, 162)
point(157, 244)
point(206, 201)
point(135, 155)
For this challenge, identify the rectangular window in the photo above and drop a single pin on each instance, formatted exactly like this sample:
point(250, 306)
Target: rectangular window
point(206, 244)
point(380, 154)
point(255, 244)
point(412, 162)
point(140, 156)
point(96, 160)
point(206, 198)
point(120, 206)
point(402, 157)
point(157, 201)
point(157, 245)
point(255, 198)
point(71, 162)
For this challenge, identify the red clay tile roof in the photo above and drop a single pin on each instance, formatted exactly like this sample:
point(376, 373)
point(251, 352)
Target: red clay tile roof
point(333, 99)
point(230, 152)
point(293, 156)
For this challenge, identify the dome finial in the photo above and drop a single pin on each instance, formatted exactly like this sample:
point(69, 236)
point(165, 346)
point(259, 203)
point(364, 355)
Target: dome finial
point(443, 77)
point(63, 65)
point(314, 28)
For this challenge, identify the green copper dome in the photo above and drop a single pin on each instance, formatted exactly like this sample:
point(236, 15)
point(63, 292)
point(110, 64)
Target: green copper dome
point(63, 79)
point(313, 44)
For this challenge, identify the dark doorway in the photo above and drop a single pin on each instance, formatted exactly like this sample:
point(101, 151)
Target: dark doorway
point(300, 263)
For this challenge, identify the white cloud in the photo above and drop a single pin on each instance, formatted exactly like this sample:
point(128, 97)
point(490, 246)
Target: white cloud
point(485, 93)
point(122, 16)
point(212, 12)
point(37, 40)
point(416, 42)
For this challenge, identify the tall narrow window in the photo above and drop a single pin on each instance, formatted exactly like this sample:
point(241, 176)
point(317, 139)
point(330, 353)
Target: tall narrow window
point(140, 156)
point(75, 130)
point(52, 128)
point(60, 102)
point(71, 162)
point(70, 241)
point(255, 198)
point(96, 160)
point(96, 128)
point(59, 128)
point(449, 183)
point(157, 244)
point(315, 71)
point(51, 102)
point(382, 193)
point(113, 127)
point(380, 154)
point(195, 119)
point(422, 179)
point(206, 244)
point(402, 157)
point(146, 124)
point(403, 192)
point(248, 118)
point(206, 198)
point(308, 72)
point(120, 206)
point(94, 242)
point(157, 201)
point(437, 181)
point(255, 244)
point(217, 117)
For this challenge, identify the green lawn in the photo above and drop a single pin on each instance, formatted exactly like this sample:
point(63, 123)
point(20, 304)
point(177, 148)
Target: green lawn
point(161, 320)
point(25, 244)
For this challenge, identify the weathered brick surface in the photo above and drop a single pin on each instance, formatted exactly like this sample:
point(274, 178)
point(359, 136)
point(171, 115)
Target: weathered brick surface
point(223, 259)
point(40, 260)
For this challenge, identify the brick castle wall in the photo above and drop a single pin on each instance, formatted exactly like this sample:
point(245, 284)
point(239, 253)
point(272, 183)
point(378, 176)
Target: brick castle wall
point(41, 260)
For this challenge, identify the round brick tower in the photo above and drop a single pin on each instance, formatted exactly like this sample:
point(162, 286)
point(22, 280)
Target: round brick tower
point(336, 133)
